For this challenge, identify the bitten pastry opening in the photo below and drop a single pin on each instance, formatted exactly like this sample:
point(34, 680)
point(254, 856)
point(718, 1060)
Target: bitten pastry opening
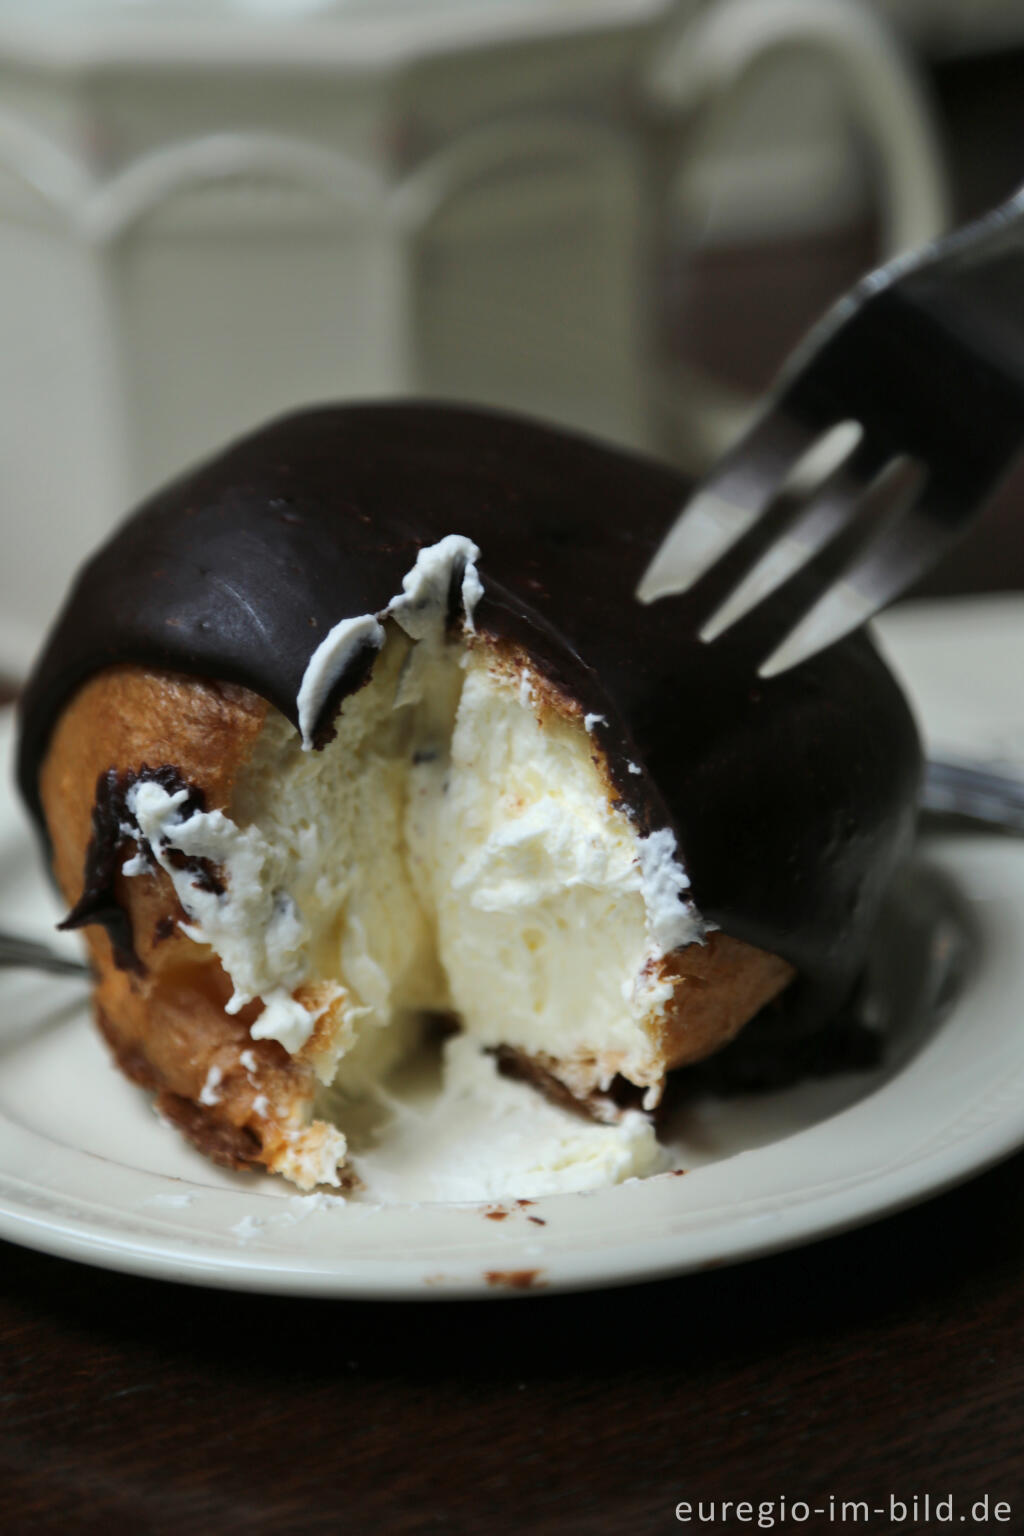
point(447, 842)
point(355, 736)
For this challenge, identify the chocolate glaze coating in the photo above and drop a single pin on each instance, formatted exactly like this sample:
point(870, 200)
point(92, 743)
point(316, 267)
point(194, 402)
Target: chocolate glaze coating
point(791, 798)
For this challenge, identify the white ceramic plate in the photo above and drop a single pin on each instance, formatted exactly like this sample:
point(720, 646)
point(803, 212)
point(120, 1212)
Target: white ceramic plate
point(86, 1171)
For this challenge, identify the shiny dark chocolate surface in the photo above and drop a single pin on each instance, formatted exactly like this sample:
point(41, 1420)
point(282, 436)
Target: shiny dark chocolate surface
point(790, 798)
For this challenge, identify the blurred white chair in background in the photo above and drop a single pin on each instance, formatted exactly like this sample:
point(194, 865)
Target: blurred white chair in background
point(209, 217)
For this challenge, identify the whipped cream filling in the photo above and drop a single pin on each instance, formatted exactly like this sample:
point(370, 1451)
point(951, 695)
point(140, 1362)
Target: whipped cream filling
point(331, 660)
point(418, 608)
point(253, 926)
point(482, 1136)
point(672, 920)
point(453, 849)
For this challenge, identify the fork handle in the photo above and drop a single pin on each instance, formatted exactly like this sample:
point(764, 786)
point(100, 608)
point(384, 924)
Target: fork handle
point(972, 283)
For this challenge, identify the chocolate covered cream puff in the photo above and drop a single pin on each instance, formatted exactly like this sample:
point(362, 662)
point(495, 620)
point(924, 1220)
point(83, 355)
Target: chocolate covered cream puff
point(360, 725)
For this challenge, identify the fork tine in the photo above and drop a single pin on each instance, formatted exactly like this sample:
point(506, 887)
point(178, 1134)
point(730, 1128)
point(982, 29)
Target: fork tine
point(726, 505)
point(857, 476)
point(903, 549)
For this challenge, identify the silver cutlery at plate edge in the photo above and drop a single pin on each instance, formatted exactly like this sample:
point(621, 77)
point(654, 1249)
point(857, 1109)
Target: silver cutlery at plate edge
point(29, 954)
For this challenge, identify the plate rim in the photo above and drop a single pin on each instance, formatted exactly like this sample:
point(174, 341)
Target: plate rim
point(167, 1248)
point(810, 1215)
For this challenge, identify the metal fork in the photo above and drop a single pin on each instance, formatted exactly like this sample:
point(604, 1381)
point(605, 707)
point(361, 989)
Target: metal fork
point(888, 429)
point(29, 954)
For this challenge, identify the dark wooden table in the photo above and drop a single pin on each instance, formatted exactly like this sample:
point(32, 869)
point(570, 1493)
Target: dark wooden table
point(882, 1364)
